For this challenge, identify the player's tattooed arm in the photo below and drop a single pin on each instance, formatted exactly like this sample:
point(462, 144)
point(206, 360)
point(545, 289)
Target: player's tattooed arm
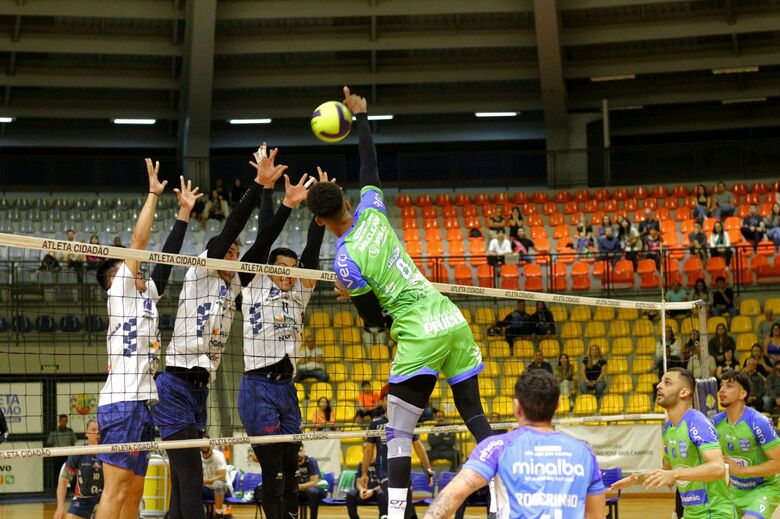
point(462, 486)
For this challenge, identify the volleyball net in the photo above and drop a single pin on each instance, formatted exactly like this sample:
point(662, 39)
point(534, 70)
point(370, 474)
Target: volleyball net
point(53, 354)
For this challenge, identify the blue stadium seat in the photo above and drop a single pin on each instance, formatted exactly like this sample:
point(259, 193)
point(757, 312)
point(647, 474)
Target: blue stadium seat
point(45, 323)
point(419, 481)
point(249, 482)
point(608, 477)
point(3, 324)
point(95, 323)
point(21, 323)
point(70, 323)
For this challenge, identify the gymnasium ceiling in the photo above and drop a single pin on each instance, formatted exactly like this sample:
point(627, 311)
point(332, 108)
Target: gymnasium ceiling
point(68, 67)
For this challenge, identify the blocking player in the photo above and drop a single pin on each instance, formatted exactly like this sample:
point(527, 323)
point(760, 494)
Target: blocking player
point(430, 331)
point(692, 455)
point(273, 308)
point(203, 321)
point(751, 447)
point(133, 345)
point(538, 472)
point(88, 471)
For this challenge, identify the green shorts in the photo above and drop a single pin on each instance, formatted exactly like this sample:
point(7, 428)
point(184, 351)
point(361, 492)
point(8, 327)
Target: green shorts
point(433, 337)
point(759, 502)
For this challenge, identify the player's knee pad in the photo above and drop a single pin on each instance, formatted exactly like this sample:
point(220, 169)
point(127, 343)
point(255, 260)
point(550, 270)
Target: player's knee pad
point(219, 488)
point(402, 418)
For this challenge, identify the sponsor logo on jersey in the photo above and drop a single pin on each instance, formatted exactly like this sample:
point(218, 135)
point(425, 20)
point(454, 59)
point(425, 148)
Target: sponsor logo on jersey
point(759, 433)
point(439, 323)
point(744, 444)
point(559, 467)
point(683, 446)
point(694, 497)
point(489, 448)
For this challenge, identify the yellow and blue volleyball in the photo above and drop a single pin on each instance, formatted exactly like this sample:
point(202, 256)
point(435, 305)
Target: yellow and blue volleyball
point(331, 121)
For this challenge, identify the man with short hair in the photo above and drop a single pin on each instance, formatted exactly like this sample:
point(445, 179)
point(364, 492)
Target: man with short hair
point(516, 324)
point(216, 486)
point(539, 362)
point(609, 246)
point(367, 400)
point(751, 447)
point(310, 486)
point(697, 241)
point(753, 228)
point(363, 494)
point(311, 362)
point(723, 298)
point(511, 459)
point(692, 455)
point(88, 471)
point(757, 397)
point(649, 223)
point(443, 444)
point(62, 436)
point(724, 201)
point(765, 326)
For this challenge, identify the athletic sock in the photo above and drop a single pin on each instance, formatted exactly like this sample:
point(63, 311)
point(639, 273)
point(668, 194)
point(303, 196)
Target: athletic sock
point(396, 505)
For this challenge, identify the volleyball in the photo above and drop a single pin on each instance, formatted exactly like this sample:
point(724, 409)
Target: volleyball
point(331, 121)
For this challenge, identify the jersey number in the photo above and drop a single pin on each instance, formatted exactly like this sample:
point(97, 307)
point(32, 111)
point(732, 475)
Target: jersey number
point(203, 316)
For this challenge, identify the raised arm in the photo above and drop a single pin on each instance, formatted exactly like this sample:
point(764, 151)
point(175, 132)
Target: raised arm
point(369, 171)
point(187, 198)
point(310, 257)
point(143, 226)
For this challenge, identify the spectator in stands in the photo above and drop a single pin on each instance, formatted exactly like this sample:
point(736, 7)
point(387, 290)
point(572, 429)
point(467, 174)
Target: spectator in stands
point(699, 366)
point(363, 495)
point(72, 260)
point(720, 243)
point(527, 245)
point(764, 363)
point(676, 294)
point(723, 298)
point(496, 222)
point(671, 342)
point(649, 223)
point(653, 247)
point(237, 192)
point(323, 418)
point(765, 326)
point(700, 212)
point(443, 445)
point(62, 436)
point(773, 388)
point(772, 225)
point(606, 223)
point(217, 207)
point(198, 213)
point(495, 418)
point(516, 323)
point(729, 362)
point(698, 241)
point(609, 247)
point(583, 237)
point(498, 248)
point(309, 490)
point(475, 232)
point(544, 322)
point(724, 202)
point(311, 362)
point(700, 291)
point(216, 486)
point(773, 343)
point(753, 228)
point(367, 400)
point(593, 373)
point(630, 241)
point(515, 221)
point(118, 241)
point(564, 372)
point(94, 261)
point(539, 362)
point(720, 342)
point(758, 398)
point(690, 345)
point(672, 361)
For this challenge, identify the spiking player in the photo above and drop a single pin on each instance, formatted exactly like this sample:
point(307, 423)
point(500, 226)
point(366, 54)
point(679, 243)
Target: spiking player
point(692, 455)
point(203, 320)
point(751, 447)
point(431, 333)
point(133, 345)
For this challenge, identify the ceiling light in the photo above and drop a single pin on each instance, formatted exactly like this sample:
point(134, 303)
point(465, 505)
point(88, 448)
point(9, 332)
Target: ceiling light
point(133, 121)
point(627, 107)
point(249, 121)
point(378, 117)
point(743, 100)
point(616, 77)
point(735, 70)
point(496, 114)
point(6, 119)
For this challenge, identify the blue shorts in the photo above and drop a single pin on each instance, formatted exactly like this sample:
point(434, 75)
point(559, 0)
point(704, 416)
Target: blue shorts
point(126, 422)
point(83, 506)
point(268, 406)
point(207, 494)
point(181, 405)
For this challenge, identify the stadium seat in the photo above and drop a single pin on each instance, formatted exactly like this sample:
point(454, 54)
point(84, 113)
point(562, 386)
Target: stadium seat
point(558, 278)
point(487, 387)
point(642, 365)
point(628, 314)
point(324, 336)
point(524, 349)
point(646, 382)
point(638, 404)
point(485, 277)
point(693, 270)
point(510, 277)
point(618, 328)
point(642, 328)
point(512, 369)
point(745, 341)
point(772, 303)
point(574, 348)
point(466, 312)
point(585, 405)
point(564, 406)
point(551, 349)
point(343, 319)
point(716, 267)
point(594, 330)
point(612, 404)
point(602, 343)
point(741, 324)
point(362, 371)
point(454, 233)
point(617, 366)
point(504, 406)
point(622, 346)
point(533, 278)
point(411, 234)
point(347, 391)
point(499, 349)
point(645, 346)
point(485, 316)
point(560, 313)
point(70, 323)
point(491, 369)
point(320, 389)
point(95, 324)
point(319, 319)
point(580, 313)
point(349, 336)
point(378, 353)
point(713, 322)
point(463, 275)
point(580, 276)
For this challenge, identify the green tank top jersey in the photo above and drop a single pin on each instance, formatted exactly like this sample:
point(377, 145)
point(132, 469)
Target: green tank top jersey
point(746, 441)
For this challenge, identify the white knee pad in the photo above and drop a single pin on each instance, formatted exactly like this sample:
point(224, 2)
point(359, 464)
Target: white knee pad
point(402, 418)
point(219, 487)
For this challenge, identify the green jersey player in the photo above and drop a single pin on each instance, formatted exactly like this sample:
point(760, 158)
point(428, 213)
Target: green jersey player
point(433, 337)
point(751, 447)
point(692, 456)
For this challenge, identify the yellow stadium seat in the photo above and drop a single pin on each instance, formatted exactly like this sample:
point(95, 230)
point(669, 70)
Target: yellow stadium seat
point(491, 369)
point(618, 328)
point(550, 349)
point(337, 372)
point(617, 366)
point(574, 348)
point(504, 406)
point(620, 385)
point(745, 341)
point(483, 349)
point(612, 404)
point(476, 331)
point(333, 352)
point(594, 329)
point(741, 324)
point(638, 404)
point(507, 387)
point(658, 409)
point(750, 307)
point(350, 336)
point(580, 313)
point(354, 455)
point(688, 325)
point(300, 392)
point(646, 382)
point(512, 369)
point(485, 316)
point(585, 405)
point(622, 346)
point(362, 371)
point(564, 406)
point(642, 365)
point(713, 322)
point(772, 303)
point(466, 314)
point(628, 314)
point(602, 344)
point(440, 392)
point(324, 337)
point(487, 387)
point(498, 349)
point(383, 372)
point(560, 313)
point(320, 389)
point(524, 349)
point(505, 310)
point(447, 406)
point(345, 412)
point(355, 352)
point(343, 319)
point(571, 330)
point(645, 346)
point(642, 328)
point(347, 392)
point(604, 313)
point(378, 352)
point(319, 319)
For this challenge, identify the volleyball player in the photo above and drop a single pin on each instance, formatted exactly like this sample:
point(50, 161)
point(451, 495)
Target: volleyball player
point(693, 458)
point(430, 331)
point(133, 345)
point(538, 472)
point(273, 309)
point(203, 320)
point(752, 449)
point(88, 471)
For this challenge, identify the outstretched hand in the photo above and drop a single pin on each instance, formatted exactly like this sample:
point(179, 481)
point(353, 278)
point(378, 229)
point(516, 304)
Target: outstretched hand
point(267, 172)
point(355, 103)
point(294, 194)
point(323, 175)
point(152, 169)
point(187, 196)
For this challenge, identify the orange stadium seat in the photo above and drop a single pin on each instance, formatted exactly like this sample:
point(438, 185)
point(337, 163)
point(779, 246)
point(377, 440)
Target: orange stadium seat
point(510, 277)
point(424, 200)
point(456, 253)
point(601, 195)
point(571, 207)
point(558, 281)
point(403, 201)
point(462, 199)
point(409, 211)
point(433, 234)
point(409, 223)
point(470, 210)
point(453, 233)
point(562, 197)
point(556, 219)
point(485, 276)
point(533, 277)
point(429, 211)
point(580, 276)
point(463, 275)
point(582, 195)
point(443, 199)
point(449, 211)
point(411, 235)
point(693, 270)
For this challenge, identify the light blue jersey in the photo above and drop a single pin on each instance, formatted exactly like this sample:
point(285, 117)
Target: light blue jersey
point(538, 475)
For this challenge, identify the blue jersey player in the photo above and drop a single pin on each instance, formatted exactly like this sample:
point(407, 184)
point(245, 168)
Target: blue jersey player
point(539, 473)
